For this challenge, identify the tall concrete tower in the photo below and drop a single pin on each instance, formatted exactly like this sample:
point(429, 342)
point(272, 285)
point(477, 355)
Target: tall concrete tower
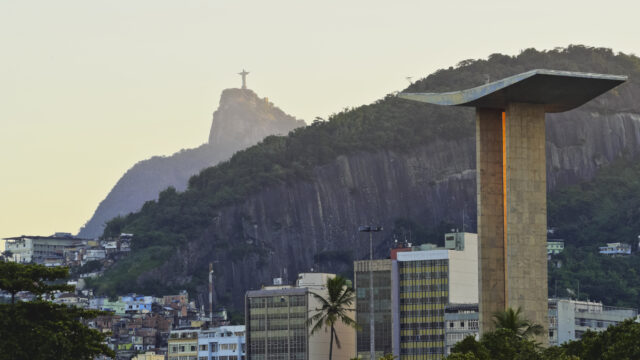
point(511, 181)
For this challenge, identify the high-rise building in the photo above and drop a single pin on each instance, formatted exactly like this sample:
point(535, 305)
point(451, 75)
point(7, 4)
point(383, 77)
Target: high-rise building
point(427, 282)
point(277, 323)
point(383, 316)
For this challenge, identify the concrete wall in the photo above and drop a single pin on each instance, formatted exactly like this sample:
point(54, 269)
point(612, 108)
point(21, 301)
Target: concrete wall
point(463, 272)
point(319, 342)
point(526, 216)
point(491, 266)
point(512, 213)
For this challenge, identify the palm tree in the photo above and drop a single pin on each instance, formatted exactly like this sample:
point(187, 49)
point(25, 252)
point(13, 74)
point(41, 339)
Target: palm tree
point(513, 320)
point(334, 308)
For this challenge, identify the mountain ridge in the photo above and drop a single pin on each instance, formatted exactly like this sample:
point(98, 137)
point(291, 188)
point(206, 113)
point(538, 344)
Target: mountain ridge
point(241, 120)
point(290, 201)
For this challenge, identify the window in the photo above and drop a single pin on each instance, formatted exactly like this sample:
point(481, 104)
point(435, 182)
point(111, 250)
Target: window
point(203, 347)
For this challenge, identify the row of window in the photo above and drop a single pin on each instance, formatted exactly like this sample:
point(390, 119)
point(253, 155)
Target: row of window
point(472, 324)
point(215, 347)
point(278, 301)
point(182, 348)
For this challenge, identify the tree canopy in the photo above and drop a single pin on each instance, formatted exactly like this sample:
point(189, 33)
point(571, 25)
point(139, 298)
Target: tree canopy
point(41, 330)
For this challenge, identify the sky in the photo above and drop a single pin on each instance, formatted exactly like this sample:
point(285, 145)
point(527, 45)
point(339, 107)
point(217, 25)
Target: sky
point(89, 88)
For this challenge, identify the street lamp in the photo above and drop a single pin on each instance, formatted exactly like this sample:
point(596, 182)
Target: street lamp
point(371, 230)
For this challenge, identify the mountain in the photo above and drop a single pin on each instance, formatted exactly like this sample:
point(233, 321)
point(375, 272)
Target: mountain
point(292, 203)
point(241, 120)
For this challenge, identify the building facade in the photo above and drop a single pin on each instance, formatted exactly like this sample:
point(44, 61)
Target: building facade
point(614, 249)
point(183, 344)
point(555, 247)
point(383, 316)
point(428, 282)
point(460, 321)
point(570, 319)
point(40, 249)
point(222, 343)
point(276, 319)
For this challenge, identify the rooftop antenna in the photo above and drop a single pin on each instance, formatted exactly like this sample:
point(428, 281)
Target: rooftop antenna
point(463, 218)
point(244, 78)
point(409, 79)
point(211, 292)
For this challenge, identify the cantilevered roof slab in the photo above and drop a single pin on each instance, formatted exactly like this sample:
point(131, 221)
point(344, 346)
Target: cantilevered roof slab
point(558, 90)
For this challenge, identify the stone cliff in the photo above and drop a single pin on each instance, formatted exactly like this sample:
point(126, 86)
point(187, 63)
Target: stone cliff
point(296, 201)
point(286, 229)
point(241, 120)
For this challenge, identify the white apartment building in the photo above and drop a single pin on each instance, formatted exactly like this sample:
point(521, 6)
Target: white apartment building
point(222, 343)
point(37, 249)
point(570, 319)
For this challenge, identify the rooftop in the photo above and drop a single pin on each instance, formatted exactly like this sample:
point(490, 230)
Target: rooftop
point(558, 90)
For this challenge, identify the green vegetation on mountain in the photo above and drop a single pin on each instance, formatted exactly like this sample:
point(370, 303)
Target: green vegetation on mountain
point(589, 215)
point(162, 227)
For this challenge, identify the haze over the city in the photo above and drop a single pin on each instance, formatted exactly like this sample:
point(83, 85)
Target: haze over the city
point(87, 89)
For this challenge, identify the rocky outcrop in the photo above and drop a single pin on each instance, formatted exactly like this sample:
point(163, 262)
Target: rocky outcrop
point(283, 229)
point(241, 120)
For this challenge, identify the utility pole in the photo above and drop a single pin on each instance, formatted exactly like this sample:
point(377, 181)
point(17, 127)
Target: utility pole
point(211, 293)
point(372, 328)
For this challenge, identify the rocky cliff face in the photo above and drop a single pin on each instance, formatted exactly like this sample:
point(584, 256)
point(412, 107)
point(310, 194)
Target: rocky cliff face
point(241, 120)
point(285, 229)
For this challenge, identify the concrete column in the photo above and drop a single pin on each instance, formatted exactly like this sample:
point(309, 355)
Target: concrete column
point(491, 251)
point(526, 214)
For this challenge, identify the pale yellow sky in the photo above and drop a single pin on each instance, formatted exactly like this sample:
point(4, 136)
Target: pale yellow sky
point(88, 88)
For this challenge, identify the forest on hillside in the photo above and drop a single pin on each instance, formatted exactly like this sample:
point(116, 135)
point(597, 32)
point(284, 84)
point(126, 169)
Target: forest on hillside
point(391, 123)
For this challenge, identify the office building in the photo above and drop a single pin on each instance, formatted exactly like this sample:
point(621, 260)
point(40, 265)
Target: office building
point(276, 319)
point(427, 282)
point(383, 317)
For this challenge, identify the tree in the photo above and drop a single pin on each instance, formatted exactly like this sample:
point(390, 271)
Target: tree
point(41, 330)
point(7, 254)
point(512, 320)
point(33, 278)
point(334, 308)
point(618, 342)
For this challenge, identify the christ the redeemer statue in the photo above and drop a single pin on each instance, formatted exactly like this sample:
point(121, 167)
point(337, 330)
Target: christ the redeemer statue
point(244, 78)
